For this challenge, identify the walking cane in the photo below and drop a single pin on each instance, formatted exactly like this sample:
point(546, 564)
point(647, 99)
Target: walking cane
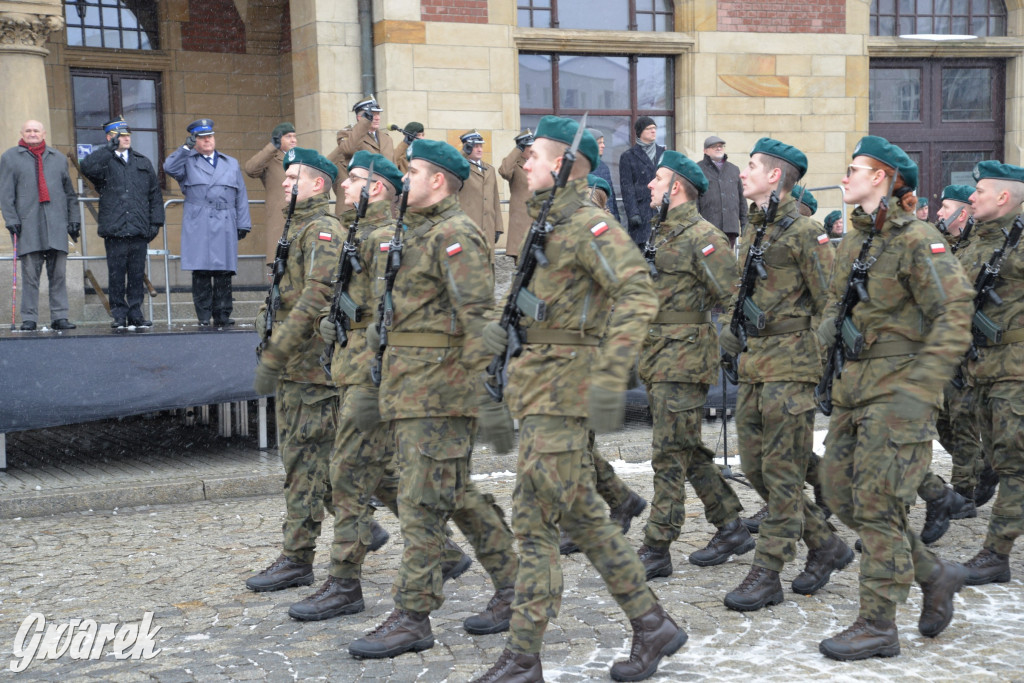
point(14, 280)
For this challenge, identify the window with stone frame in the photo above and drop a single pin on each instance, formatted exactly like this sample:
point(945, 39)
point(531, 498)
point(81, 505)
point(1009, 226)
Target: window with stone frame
point(942, 17)
point(112, 24)
point(607, 15)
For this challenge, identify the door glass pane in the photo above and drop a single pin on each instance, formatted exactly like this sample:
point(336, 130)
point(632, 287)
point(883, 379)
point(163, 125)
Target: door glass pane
point(654, 83)
point(966, 94)
point(92, 101)
point(535, 82)
point(593, 82)
point(138, 102)
point(957, 166)
point(894, 95)
point(609, 15)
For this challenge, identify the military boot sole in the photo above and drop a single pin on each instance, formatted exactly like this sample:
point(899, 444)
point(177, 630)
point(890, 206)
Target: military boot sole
point(415, 646)
point(959, 580)
point(739, 605)
point(498, 627)
point(887, 650)
point(722, 558)
point(974, 579)
point(670, 649)
point(841, 563)
point(457, 569)
point(304, 580)
point(660, 570)
point(327, 613)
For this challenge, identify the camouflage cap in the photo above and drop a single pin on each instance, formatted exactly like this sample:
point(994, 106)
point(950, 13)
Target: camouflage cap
point(564, 130)
point(958, 193)
point(441, 154)
point(999, 171)
point(780, 150)
point(383, 168)
point(805, 197)
point(311, 158)
point(831, 219)
point(600, 183)
point(687, 168)
point(882, 150)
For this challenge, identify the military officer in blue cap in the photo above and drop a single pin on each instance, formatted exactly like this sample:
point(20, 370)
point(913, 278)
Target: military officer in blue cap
point(216, 217)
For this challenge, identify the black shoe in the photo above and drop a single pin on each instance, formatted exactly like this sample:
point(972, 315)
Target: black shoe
point(655, 635)
point(937, 603)
point(760, 589)
point(378, 537)
point(656, 561)
point(335, 597)
point(63, 324)
point(986, 488)
point(567, 546)
point(513, 667)
point(821, 562)
point(204, 323)
point(455, 568)
point(864, 639)
point(936, 520)
point(987, 567)
point(495, 617)
point(118, 324)
point(858, 546)
point(753, 523)
point(28, 325)
point(630, 508)
point(964, 507)
point(732, 539)
point(401, 632)
point(283, 573)
point(140, 322)
point(224, 322)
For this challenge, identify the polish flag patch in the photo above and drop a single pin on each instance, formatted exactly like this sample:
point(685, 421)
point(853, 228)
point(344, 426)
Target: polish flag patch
point(822, 238)
point(938, 248)
point(599, 229)
point(325, 236)
point(453, 249)
point(708, 250)
point(385, 246)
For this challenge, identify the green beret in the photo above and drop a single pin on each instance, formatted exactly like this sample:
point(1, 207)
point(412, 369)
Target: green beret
point(282, 129)
point(958, 193)
point(564, 130)
point(999, 171)
point(922, 202)
point(889, 154)
point(781, 150)
point(382, 167)
point(805, 197)
point(831, 219)
point(600, 183)
point(908, 171)
point(311, 158)
point(441, 154)
point(413, 127)
point(674, 161)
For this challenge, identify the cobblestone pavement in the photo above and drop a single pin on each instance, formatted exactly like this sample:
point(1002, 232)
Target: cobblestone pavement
point(187, 564)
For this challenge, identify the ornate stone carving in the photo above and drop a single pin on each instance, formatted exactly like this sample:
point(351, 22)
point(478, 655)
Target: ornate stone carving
point(27, 30)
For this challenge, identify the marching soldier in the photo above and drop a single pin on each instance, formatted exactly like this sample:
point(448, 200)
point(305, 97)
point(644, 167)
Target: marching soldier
point(596, 283)
point(678, 362)
point(479, 193)
point(777, 374)
point(914, 324)
point(364, 135)
point(511, 169)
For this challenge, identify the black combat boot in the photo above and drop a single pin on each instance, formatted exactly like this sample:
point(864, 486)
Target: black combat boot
point(335, 597)
point(453, 569)
point(655, 635)
point(937, 605)
point(284, 572)
point(732, 539)
point(630, 508)
point(819, 500)
point(936, 519)
point(965, 507)
point(513, 667)
point(986, 488)
point(402, 631)
point(657, 561)
point(753, 523)
point(495, 618)
point(865, 638)
point(821, 562)
point(760, 589)
point(567, 546)
point(378, 537)
point(987, 567)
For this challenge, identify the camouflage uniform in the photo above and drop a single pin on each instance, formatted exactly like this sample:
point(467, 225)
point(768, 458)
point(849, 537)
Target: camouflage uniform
point(593, 263)
point(777, 374)
point(678, 361)
point(430, 389)
point(307, 400)
point(998, 380)
point(874, 459)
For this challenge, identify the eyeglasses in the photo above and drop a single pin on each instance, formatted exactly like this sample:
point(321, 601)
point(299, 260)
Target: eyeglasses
point(852, 167)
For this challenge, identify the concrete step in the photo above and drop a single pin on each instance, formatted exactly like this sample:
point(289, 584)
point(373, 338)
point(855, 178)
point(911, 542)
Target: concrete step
point(244, 308)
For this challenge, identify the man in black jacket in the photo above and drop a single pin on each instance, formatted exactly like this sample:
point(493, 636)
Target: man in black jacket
point(131, 213)
point(637, 167)
point(723, 204)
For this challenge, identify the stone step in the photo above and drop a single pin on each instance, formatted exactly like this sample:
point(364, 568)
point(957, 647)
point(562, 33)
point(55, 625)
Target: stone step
point(182, 311)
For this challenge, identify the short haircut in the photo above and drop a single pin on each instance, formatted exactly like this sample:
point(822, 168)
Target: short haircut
point(317, 173)
point(453, 183)
point(688, 189)
point(580, 168)
point(790, 174)
point(1015, 189)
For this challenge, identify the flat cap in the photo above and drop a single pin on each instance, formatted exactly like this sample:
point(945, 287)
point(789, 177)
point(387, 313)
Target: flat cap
point(311, 158)
point(713, 140)
point(383, 168)
point(441, 154)
point(958, 193)
point(564, 130)
point(687, 168)
point(780, 150)
point(200, 127)
point(805, 197)
point(999, 171)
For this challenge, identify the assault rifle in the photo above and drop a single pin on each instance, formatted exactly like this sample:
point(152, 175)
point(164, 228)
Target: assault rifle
point(984, 330)
point(409, 137)
point(941, 224)
point(651, 248)
point(520, 300)
point(345, 311)
point(385, 307)
point(965, 235)
point(273, 300)
point(849, 341)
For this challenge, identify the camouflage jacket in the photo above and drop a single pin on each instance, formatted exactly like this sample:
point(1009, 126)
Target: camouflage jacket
point(798, 259)
point(315, 238)
point(1003, 363)
point(696, 271)
point(445, 287)
point(594, 265)
point(918, 293)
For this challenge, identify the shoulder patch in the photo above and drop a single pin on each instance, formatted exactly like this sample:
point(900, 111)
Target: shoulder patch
point(453, 249)
point(325, 236)
point(599, 229)
point(822, 238)
point(708, 250)
point(938, 248)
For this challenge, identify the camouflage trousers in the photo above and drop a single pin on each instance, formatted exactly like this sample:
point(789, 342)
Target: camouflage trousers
point(958, 434)
point(1000, 414)
point(775, 429)
point(434, 486)
point(679, 454)
point(555, 487)
point(609, 485)
point(873, 465)
point(306, 418)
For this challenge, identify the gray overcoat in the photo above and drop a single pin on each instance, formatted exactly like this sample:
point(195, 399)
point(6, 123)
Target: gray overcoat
point(43, 226)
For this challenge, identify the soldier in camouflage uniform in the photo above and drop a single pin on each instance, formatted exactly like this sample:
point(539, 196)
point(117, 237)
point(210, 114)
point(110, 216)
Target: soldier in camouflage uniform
point(431, 391)
point(878, 448)
point(593, 267)
point(696, 271)
point(777, 374)
point(998, 372)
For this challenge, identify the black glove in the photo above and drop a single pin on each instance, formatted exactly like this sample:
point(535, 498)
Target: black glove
point(635, 223)
point(190, 141)
point(276, 139)
point(114, 142)
point(409, 139)
point(15, 228)
point(242, 234)
point(75, 231)
point(497, 235)
point(366, 114)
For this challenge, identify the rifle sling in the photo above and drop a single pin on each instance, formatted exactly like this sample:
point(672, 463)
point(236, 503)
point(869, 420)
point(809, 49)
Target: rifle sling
point(425, 340)
point(1013, 336)
point(561, 337)
point(361, 325)
point(682, 318)
point(675, 232)
point(781, 327)
point(901, 347)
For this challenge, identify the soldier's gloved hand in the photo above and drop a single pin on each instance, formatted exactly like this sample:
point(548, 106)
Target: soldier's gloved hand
point(496, 426)
point(74, 231)
point(327, 331)
point(365, 402)
point(190, 141)
point(497, 235)
point(276, 140)
point(114, 142)
point(372, 337)
point(366, 114)
point(15, 228)
point(607, 408)
point(265, 382)
point(260, 321)
point(495, 338)
point(827, 331)
point(729, 342)
point(242, 234)
point(635, 223)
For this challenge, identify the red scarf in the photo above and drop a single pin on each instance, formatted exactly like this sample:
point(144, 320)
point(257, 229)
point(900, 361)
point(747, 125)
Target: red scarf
point(37, 152)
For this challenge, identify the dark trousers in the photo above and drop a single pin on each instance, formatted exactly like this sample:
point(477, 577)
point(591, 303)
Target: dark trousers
point(211, 293)
point(126, 266)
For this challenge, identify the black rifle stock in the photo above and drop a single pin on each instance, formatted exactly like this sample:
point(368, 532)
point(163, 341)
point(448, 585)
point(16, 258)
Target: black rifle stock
point(385, 307)
point(273, 299)
point(651, 248)
point(965, 235)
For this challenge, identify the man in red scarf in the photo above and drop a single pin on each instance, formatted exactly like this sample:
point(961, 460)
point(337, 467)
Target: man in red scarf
point(37, 200)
